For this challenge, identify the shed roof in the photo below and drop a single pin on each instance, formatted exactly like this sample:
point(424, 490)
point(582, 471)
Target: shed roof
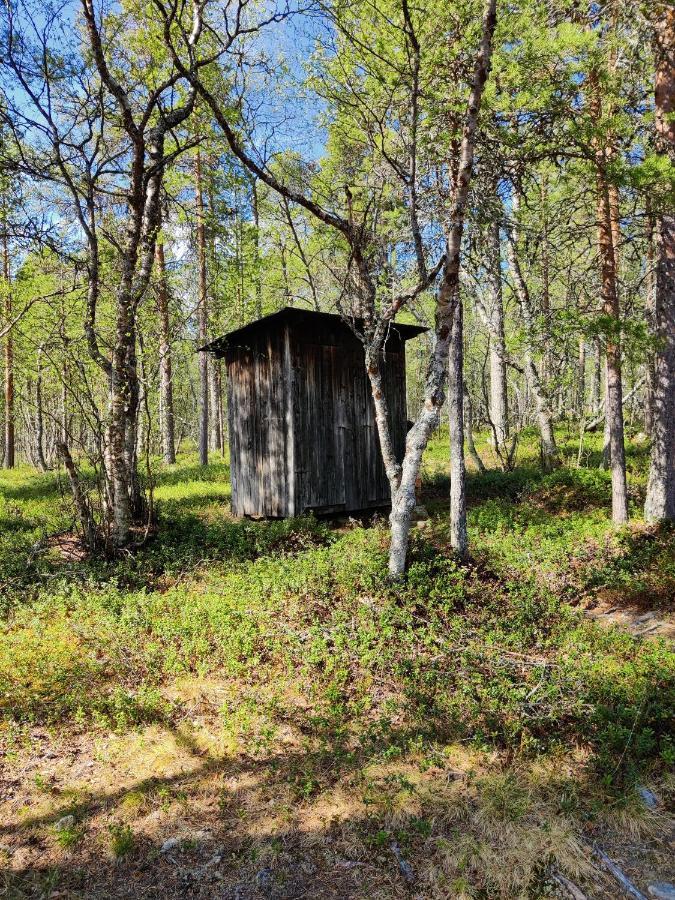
point(294, 316)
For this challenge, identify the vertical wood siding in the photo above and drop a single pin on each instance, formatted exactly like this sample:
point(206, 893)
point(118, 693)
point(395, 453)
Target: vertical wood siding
point(302, 421)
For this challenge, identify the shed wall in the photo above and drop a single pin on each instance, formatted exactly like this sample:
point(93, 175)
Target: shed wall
point(257, 417)
point(303, 434)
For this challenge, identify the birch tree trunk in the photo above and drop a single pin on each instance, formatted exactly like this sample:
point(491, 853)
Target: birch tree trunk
point(580, 400)
point(660, 502)
point(495, 314)
point(202, 318)
point(403, 501)
point(459, 538)
point(167, 426)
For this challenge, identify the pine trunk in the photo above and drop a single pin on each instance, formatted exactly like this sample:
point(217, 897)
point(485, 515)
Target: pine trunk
point(660, 502)
point(613, 387)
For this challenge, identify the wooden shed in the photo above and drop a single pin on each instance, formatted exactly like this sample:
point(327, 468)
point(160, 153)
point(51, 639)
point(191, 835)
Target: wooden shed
point(301, 417)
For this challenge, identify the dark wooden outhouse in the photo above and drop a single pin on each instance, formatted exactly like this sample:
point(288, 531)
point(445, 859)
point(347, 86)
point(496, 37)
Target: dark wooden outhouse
point(301, 417)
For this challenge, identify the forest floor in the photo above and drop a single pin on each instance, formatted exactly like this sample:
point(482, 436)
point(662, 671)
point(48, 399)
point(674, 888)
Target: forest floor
point(249, 710)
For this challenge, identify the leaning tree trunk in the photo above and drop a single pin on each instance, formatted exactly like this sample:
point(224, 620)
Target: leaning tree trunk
point(468, 429)
point(403, 499)
point(9, 363)
point(166, 411)
point(660, 502)
point(202, 317)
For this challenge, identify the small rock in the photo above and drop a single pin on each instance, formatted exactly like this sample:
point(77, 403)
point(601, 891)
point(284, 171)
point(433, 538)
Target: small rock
point(648, 798)
point(64, 823)
point(662, 890)
point(172, 843)
point(403, 864)
point(640, 438)
point(422, 524)
point(263, 880)
point(421, 512)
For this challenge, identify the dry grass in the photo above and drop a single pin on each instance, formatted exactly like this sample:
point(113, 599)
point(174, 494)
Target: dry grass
point(469, 824)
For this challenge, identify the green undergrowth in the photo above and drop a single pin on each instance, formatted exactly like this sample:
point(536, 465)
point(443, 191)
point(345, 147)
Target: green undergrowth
point(489, 653)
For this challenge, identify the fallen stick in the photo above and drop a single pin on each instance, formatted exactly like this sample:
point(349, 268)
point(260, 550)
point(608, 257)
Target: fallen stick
point(629, 888)
point(567, 885)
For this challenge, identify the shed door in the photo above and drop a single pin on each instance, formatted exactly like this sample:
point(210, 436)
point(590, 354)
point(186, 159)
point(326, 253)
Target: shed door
point(319, 406)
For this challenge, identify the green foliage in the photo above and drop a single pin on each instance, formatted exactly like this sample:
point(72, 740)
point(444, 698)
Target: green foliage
point(489, 652)
point(121, 839)
point(70, 836)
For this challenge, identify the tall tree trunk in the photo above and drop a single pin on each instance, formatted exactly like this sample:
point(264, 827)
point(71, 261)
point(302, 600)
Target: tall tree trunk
point(581, 379)
point(9, 361)
point(64, 429)
point(202, 317)
point(650, 309)
point(608, 239)
point(39, 415)
point(613, 387)
point(215, 404)
point(459, 538)
point(121, 405)
point(596, 379)
point(498, 387)
point(545, 372)
point(167, 425)
point(549, 448)
point(131, 442)
point(403, 499)
point(256, 246)
point(660, 502)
